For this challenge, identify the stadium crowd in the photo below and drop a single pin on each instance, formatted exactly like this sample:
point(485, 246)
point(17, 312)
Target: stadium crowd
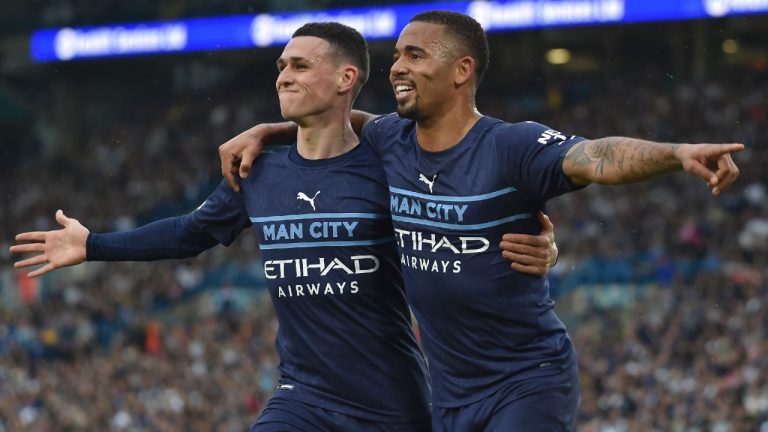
point(682, 346)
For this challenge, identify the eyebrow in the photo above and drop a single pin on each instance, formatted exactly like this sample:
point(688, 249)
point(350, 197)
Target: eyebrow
point(413, 48)
point(294, 59)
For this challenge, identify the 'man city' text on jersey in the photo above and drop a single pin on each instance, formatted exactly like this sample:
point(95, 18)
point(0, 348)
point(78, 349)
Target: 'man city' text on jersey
point(316, 230)
point(428, 209)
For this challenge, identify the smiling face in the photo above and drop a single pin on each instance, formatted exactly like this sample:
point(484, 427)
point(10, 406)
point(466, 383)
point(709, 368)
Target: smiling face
point(308, 80)
point(422, 75)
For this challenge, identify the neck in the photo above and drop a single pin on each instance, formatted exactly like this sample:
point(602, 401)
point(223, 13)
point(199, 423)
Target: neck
point(326, 136)
point(444, 130)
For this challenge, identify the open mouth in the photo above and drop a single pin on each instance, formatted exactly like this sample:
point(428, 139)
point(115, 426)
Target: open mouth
point(402, 88)
point(403, 92)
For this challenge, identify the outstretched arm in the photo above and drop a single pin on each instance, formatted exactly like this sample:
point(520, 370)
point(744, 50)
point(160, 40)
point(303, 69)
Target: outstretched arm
point(529, 254)
point(237, 154)
point(74, 244)
point(620, 160)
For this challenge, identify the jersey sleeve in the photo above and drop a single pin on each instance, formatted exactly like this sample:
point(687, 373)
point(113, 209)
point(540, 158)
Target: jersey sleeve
point(533, 157)
point(222, 215)
point(218, 221)
point(378, 131)
point(162, 239)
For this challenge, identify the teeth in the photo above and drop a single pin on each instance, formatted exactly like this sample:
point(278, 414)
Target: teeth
point(403, 88)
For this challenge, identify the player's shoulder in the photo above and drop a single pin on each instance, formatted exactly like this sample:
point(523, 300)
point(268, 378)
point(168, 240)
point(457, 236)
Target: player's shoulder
point(523, 132)
point(388, 123)
point(520, 128)
point(388, 130)
point(389, 118)
point(273, 154)
point(276, 150)
point(272, 160)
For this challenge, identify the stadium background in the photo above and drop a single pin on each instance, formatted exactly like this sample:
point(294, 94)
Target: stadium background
point(662, 285)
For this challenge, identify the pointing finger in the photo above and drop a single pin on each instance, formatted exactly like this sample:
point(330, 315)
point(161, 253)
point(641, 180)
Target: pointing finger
point(721, 149)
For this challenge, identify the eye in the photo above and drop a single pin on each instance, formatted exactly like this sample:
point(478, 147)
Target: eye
point(414, 56)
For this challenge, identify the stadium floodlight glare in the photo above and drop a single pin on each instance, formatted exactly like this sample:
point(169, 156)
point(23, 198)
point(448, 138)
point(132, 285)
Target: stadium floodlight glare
point(373, 22)
point(558, 56)
point(730, 46)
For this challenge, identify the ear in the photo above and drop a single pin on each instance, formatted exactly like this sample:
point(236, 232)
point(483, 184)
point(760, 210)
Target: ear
point(347, 78)
point(464, 70)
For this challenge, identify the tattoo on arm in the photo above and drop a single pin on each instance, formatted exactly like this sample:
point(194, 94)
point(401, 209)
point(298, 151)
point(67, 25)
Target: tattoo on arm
point(617, 160)
point(606, 155)
point(578, 155)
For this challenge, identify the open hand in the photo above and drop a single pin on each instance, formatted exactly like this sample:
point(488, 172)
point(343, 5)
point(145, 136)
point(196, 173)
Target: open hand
point(55, 249)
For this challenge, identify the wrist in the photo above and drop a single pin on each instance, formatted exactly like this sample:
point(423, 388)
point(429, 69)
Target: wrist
point(678, 152)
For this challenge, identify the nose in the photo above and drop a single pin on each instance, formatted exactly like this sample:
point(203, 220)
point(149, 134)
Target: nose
point(284, 78)
point(398, 68)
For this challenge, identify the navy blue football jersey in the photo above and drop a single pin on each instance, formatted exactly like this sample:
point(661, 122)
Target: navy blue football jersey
point(329, 255)
point(484, 325)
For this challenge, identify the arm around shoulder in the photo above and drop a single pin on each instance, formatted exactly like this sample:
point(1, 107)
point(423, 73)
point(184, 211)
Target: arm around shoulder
point(237, 154)
point(359, 120)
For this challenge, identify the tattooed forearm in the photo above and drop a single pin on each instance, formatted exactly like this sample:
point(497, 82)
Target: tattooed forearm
point(616, 160)
point(578, 156)
point(606, 155)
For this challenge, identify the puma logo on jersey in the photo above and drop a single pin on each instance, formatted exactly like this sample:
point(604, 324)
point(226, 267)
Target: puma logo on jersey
point(303, 196)
point(429, 183)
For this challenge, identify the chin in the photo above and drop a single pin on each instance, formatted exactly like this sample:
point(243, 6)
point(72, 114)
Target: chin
point(288, 115)
point(408, 112)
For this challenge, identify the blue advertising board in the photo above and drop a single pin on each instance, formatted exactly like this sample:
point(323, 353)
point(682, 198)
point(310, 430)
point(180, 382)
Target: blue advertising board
point(374, 22)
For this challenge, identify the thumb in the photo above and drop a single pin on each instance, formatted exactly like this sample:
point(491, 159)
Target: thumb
point(546, 224)
point(60, 218)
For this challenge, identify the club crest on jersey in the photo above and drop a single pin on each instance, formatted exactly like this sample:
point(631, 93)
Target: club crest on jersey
point(302, 196)
point(430, 183)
